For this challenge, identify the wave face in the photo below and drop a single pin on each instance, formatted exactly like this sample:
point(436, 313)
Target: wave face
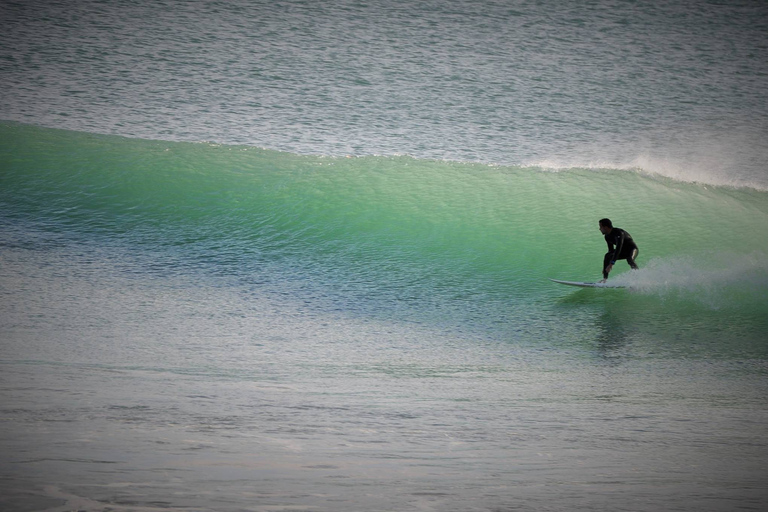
point(461, 246)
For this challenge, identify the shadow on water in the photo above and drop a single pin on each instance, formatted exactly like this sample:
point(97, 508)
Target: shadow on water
point(623, 323)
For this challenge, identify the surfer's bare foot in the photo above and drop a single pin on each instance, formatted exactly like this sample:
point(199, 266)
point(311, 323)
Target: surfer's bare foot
point(602, 280)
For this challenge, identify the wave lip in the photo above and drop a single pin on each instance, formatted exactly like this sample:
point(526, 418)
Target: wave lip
point(715, 170)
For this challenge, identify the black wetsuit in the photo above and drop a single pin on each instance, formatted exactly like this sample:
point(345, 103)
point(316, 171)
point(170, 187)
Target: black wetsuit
point(620, 247)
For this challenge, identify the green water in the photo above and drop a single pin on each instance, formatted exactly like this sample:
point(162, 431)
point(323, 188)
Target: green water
point(441, 243)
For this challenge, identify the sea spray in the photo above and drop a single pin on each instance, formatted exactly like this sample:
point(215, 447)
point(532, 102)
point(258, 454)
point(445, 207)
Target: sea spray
point(720, 280)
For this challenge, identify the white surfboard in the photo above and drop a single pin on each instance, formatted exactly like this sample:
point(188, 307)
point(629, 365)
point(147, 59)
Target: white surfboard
point(587, 285)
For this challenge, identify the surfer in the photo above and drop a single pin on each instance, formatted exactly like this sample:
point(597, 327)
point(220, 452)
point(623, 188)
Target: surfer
point(620, 247)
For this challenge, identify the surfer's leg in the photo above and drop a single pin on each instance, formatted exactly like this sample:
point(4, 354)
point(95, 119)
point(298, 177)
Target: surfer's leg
point(631, 258)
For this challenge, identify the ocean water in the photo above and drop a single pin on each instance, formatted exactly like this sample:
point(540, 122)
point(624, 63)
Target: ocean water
point(274, 256)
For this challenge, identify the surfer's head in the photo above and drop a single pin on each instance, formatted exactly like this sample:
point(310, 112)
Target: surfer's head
point(606, 226)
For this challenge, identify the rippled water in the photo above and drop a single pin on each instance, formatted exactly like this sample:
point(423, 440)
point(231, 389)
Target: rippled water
point(196, 396)
point(675, 88)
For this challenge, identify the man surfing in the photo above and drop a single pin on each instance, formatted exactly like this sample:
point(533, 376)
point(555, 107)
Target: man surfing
point(620, 247)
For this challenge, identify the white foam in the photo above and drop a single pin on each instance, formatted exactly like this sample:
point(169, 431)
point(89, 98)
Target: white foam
point(713, 279)
point(732, 158)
